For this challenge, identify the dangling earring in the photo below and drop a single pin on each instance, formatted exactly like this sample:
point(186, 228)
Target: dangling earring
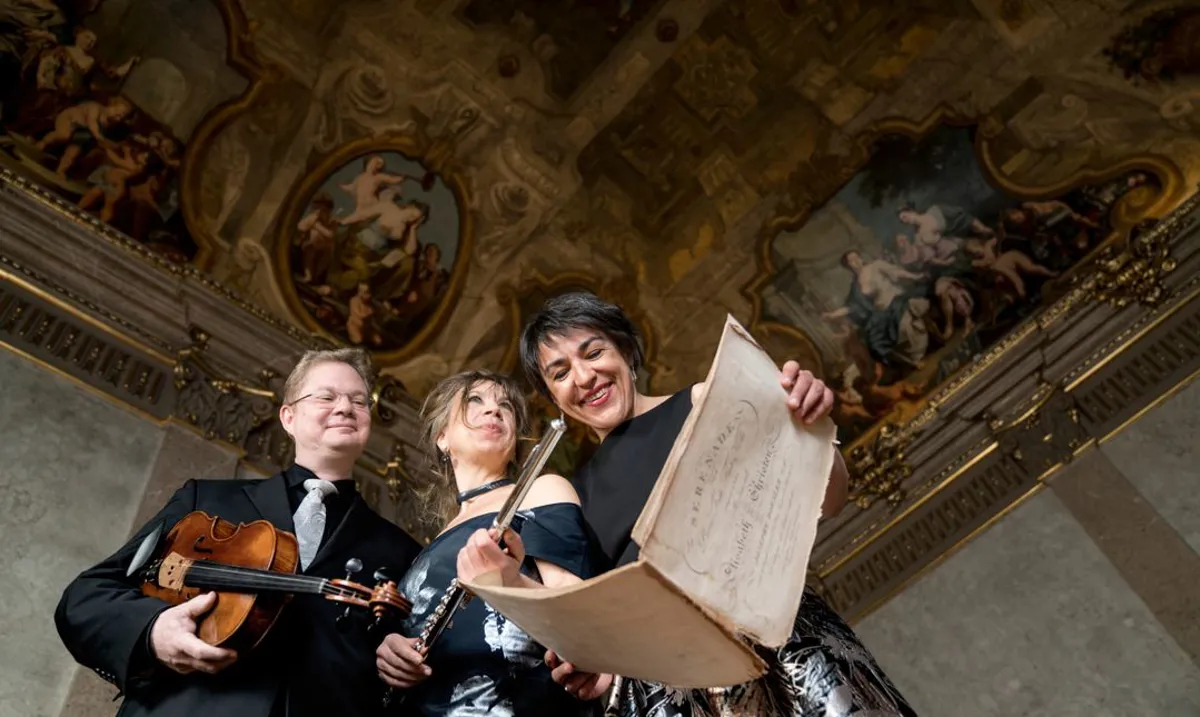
point(633, 374)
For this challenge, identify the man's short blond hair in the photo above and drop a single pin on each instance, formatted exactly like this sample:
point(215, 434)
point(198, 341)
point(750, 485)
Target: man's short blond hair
point(356, 359)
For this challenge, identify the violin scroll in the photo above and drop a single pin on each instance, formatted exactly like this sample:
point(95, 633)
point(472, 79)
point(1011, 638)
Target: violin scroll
point(387, 602)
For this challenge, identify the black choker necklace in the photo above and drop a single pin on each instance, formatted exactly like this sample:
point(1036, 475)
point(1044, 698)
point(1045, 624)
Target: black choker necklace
point(466, 495)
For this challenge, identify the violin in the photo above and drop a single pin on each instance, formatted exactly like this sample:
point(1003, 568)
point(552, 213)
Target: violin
point(252, 568)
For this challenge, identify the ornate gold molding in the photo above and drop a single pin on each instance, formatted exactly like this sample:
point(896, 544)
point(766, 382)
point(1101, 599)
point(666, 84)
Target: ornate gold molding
point(1133, 275)
point(221, 409)
point(81, 308)
point(879, 468)
point(40, 327)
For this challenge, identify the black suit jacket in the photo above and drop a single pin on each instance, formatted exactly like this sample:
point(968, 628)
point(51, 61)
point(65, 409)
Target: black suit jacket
point(305, 661)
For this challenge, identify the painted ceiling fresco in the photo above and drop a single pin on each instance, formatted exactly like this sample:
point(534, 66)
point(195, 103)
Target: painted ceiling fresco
point(881, 190)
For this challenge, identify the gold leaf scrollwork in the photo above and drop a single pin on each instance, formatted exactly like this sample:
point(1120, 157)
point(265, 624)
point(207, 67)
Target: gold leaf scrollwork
point(221, 408)
point(1047, 436)
point(879, 468)
point(396, 473)
point(1124, 275)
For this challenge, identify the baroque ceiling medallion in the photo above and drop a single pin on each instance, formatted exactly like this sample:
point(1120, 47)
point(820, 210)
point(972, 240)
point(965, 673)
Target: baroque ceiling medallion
point(374, 244)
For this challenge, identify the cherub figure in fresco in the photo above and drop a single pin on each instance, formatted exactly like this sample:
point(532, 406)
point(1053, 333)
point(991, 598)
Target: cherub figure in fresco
point(1053, 223)
point(317, 231)
point(849, 410)
point(81, 125)
point(916, 255)
point(956, 301)
point(362, 308)
point(166, 148)
point(890, 321)
point(109, 180)
point(366, 189)
point(941, 223)
point(954, 297)
point(861, 397)
point(152, 194)
point(1010, 264)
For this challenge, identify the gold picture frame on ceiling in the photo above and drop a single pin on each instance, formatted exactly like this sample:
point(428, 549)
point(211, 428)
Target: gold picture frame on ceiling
point(374, 244)
point(913, 410)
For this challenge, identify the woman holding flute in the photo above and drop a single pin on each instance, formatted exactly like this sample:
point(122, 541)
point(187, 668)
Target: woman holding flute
point(482, 664)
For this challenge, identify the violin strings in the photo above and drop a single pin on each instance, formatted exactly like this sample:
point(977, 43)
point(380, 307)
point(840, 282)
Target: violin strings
point(232, 576)
point(216, 575)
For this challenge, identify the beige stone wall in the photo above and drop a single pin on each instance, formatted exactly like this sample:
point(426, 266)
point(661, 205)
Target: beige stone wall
point(81, 473)
point(1083, 600)
point(75, 467)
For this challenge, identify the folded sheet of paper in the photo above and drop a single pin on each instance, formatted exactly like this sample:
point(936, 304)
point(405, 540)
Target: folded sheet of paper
point(725, 541)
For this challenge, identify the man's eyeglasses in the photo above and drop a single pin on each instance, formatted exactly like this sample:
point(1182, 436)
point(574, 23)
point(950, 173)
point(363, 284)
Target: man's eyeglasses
point(329, 399)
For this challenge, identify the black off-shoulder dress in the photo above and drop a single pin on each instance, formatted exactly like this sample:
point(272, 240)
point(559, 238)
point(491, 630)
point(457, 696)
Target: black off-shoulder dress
point(483, 664)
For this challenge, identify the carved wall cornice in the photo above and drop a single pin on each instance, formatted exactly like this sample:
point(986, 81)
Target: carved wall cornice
point(170, 343)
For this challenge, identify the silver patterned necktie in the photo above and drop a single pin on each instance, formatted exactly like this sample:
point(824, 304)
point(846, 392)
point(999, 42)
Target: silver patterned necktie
point(310, 518)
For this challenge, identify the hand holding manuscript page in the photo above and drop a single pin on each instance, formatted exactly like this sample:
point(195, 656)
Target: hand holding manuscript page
point(726, 536)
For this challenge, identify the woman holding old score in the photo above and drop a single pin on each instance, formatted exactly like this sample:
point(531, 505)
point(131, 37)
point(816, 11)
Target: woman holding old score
point(484, 664)
point(583, 354)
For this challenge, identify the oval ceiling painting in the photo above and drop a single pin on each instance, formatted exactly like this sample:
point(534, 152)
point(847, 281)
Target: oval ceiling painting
point(374, 246)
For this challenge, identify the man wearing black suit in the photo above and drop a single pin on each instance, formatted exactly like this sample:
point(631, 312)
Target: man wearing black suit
point(307, 665)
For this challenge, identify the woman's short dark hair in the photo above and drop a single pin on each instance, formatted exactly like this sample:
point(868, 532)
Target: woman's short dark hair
point(577, 310)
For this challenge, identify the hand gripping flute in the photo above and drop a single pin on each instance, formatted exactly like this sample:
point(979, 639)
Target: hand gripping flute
point(456, 596)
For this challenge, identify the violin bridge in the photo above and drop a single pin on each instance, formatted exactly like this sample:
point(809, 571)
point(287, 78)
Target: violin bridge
point(172, 571)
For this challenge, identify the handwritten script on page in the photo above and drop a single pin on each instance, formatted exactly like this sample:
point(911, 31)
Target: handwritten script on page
point(740, 497)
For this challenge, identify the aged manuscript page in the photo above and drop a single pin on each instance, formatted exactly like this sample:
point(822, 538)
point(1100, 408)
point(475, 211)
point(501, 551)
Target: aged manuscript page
point(725, 537)
point(733, 517)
